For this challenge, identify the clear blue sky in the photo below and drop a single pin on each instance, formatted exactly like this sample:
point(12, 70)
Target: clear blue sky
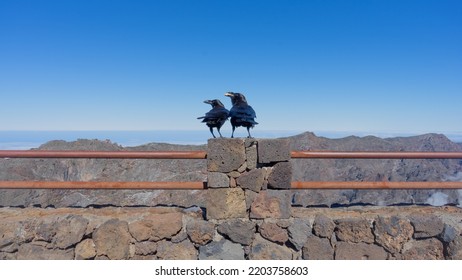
point(303, 65)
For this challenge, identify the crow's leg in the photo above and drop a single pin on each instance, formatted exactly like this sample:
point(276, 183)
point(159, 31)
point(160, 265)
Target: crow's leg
point(218, 129)
point(211, 130)
point(248, 131)
point(232, 134)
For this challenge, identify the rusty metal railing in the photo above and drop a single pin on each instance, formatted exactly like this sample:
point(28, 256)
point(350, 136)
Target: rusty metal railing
point(203, 155)
point(376, 155)
point(101, 185)
point(104, 154)
point(375, 185)
point(101, 155)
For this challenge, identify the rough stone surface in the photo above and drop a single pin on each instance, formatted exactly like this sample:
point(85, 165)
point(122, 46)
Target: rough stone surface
point(250, 197)
point(299, 232)
point(359, 251)
point(427, 249)
point(354, 230)
point(392, 233)
point(273, 150)
point(221, 250)
point(251, 156)
point(145, 248)
point(252, 180)
point(273, 232)
point(281, 176)
point(225, 154)
point(184, 250)
point(317, 248)
point(271, 204)
point(156, 227)
point(425, 226)
point(263, 249)
point(31, 251)
point(112, 240)
point(226, 204)
point(70, 231)
point(323, 226)
point(200, 232)
point(31, 233)
point(238, 231)
point(455, 248)
point(217, 180)
point(62, 231)
point(449, 233)
point(85, 250)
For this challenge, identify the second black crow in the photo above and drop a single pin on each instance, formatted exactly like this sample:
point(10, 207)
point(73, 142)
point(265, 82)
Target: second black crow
point(242, 114)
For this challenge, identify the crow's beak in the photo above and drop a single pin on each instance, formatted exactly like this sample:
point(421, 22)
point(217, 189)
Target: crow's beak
point(208, 101)
point(229, 94)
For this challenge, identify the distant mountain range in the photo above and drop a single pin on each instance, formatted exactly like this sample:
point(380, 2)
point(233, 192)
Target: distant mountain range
point(195, 170)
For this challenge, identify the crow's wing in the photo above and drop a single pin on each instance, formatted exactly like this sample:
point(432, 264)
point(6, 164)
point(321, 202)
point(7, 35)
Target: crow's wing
point(216, 113)
point(244, 113)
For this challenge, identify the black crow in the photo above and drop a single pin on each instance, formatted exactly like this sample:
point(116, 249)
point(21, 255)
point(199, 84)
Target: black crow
point(242, 114)
point(215, 117)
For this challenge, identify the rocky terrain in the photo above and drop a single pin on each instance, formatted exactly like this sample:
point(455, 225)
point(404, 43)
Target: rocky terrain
point(195, 170)
point(376, 170)
point(247, 212)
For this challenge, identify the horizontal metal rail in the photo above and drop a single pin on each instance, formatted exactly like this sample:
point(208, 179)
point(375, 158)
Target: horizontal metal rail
point(376, 185)
point(203, 154)
point(101, 185)
point(376, 155)
point(104, 154)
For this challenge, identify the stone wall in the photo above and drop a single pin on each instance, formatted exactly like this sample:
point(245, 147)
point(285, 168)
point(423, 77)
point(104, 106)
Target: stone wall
point(248, 214)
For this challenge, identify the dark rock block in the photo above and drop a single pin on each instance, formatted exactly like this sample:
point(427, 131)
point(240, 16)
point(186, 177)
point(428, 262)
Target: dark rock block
point(273, 233)
point(317, 248)
point(251, 155)
point(449, 233)
point(359, 251)
point(354, 230)
point(221, 250)
point(392, 233)
point(454, 248)
point(323, 226)
point(184, 250)
point(238, 231)
point(428, 249)
point(225, 155)
point(299, 232)
point(200, 232)
point(30, 251)
point(252, 180)
point(69, 231)
point(271, 204)
point(217, 180)
point(427, 226)
point(266, 250)
point(281, 176)
point(273, 150)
